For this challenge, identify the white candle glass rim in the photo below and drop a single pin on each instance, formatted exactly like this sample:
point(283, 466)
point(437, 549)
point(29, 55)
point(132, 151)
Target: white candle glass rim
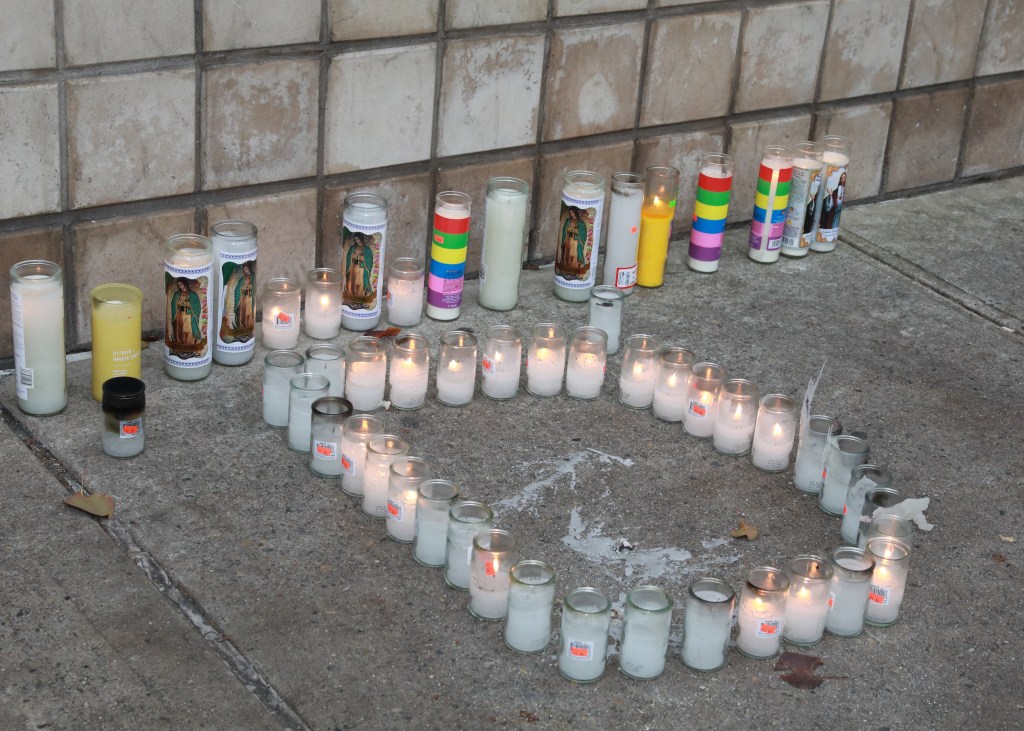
point(116, 295)
point(410, 469)
point(809, 568)
point(366, 200)
point(715, 584)
point(453, 200)
point(608, 293)
point(778, 403)
point(504, 335)
point(460, 341)
point(706, 376)
point(676, 358)
point(189, 247)
point(508, 185)
point(766, 581)
point(739, 389)
point(308, 382)
point(548, 332)
point(387, 445)
point(406, 268)
point(324, 278)
point(643, 344)
point(436, 490)
point(494, 540)
point(584, 181)
point(585, 334)
point(898, 527)
point(665, 603)
point(850, 445)
point(282, 286)
point(366, 349)
point(283, 359)
point(35, 270)
point(724, 162)
point(324, 351)
point(470, 512)
point(836, 143)
point(541, 569)
point(410, 345)
point(628, 180)
point(878, 544)
point(881, 497)
point(588, 600)
point(362, 426)
point(234, 229)
point(781, 153)
point(809, 149)
point(661, 172)
point(878, 474)
point(821, 425)
point(854, 553)
point(332, 408)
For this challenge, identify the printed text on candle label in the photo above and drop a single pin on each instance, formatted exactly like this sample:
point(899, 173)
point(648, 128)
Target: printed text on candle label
point(580, 650)
point(768, 627)
point(395, 509)
point(698, 409)
point(131, 428)
point(346, 465)
point(625, 277)
point(324, 450)
point(490, 568)
point(879, 595)
point(284, 321)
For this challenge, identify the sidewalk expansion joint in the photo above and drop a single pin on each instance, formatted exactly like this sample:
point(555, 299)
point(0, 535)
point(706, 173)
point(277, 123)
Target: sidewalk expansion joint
point(194, 614)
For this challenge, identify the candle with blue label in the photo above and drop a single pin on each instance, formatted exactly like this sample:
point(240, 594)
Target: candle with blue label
point(448, 246)
point(770, 204)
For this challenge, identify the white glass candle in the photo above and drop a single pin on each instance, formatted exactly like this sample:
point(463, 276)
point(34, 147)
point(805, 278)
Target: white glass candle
point(888, 581)
point(410, 368)
point(774, 433)
point(494, 552)
point(327, 360)
point(403, 489)
point(233, 324)
point(645, 634)
point(545, 360)
point(433, 503)
point(281, 304)
point(456, 368)
point(448, 246)
point(279, 366)
point(627, 200)
point(579, 234)
point(708, 623)
point(810, 578)
point(124, 416)
point(673, 383)
point(37, 317)
point(465, 520)
point(381, 451)
point(762, 612)
point(710, 211)
point(359, 429)
point(702, 399)
point(770, 204)
point(803, 191)
point(305, 389)
point(831, 192)
point(329, 415)
point(365, 373)
point(863, 479)
point(501, 362)
point(584, 375)
point(639, 371)
point(364, 233)
point(188, 278)
point(810, 452)
point(848, 591)
point(586, 619)
point(531, 596)
point(605, 313)
point(734, 420)
point(405, 292)
point(501, 261)
point(842, 454)
point(322, 317)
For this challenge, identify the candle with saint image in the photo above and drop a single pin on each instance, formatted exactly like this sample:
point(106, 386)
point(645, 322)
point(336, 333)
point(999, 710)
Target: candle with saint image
point(188, 274)
point(493, 555)
point(456, 371)
point(356, 433)
point(661, 188)
point(639, 371)
point(364, 238)
point(734, 420)
point(531, 596)
point(702, 399)
point(323, 303)
point(281, 304)
point(433, 501)
point(465, 520)
point(831, 192)
point(403, 488)
point(410, 365)
point(501, 362)
point(762, 612)
point(381, 451)
point(774, 433)
point(545, 360)
point(848, 592)
point(770, 204)
point(810, 578)
point(708, 623)
point(673, 383)
point(888, 581)
point(800, 213)
point(585, 373)
point(37, 317)
point(365, 373)
point(405, 292)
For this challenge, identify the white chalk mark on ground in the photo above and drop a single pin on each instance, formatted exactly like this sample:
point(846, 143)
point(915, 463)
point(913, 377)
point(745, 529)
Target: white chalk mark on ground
point(557, 469)
point(645, 563)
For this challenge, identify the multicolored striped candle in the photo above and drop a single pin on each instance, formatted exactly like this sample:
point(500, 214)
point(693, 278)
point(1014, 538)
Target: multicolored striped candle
point(714, 186)
point(448, 255)
point(770, 204)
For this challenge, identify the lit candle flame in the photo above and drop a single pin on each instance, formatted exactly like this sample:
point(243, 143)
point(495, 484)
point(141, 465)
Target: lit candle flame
point(638, 370)
point(325, 301)
point(453, 365)
point(777, 431)
point(706, 397)
point(738, 414)
point(672, 380)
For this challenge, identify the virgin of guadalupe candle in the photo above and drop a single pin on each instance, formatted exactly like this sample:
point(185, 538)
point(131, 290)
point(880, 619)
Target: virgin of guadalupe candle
point(405, 292)
point(579, 234)
point(774, 433)
point(116, 334)
point(188, 272)
point(456, 368)
point(279, 366)
point(842, 454)
point(863, 479)
point(831, 192)
point(735, 416)
point(465, 520)
point(708, 623)
point(800, 213)
point(888, 581)
point(531, 597)
point(356, 433)
point(124, 416)
point(762, 612)
point(381, 451)
point(645, 634)
point(501, 261)
point(770, 204)
point(639, 371)
point(364, 231)
point(433, 501)
point(673, 383)
point(605, 313)
point(584, 374)
point(586, 619)
point(329, 416)
point(702, 399)
point(494, 552)
point(623, 238)
point(365, 373)
point(403, 488)
point(328, 360)
point(305, 389)
point(234, 301)
point(322, 319)
point(281, 305)
point(501, 362)
point(545, 360)
point(810, 578)
point(807, 473)
point(661, 189)
point(448, 255)
point(714, 188)
point(848, 591)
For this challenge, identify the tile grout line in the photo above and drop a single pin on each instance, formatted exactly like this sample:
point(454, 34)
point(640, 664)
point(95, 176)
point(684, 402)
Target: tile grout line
point(434, 179)
point(193, 612)
point(645, 59)
point(323, 81)
point(969, 110)
point(532, 245)
point(63, 170)
point(198, 127)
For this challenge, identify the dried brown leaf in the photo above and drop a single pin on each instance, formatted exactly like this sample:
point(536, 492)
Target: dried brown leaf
point(745, 530)
point(529, 717)
point(803, 680)
point(998, 557)
point(389, 332)
point(797, 661)
point(97, 503)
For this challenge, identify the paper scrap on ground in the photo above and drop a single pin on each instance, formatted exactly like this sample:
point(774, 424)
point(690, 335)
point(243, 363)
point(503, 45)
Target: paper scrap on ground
point(805, 409)
point(910, 509)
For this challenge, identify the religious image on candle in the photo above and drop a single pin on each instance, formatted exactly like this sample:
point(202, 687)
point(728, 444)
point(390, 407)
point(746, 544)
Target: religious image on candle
point(831, 192)
point(360, 252)
point(575, 242)
point(188, 315)
point(234, 245)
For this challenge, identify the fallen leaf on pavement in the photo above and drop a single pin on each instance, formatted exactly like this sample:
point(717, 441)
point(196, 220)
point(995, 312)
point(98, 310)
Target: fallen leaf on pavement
point(801, 670)
point(389, 332)
point(98, 503)
point(998, 557)
point(745, 530)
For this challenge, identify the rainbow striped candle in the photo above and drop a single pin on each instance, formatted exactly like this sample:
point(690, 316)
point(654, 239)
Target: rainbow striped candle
point(770, 204)
point(714, 186)
point(449, 242)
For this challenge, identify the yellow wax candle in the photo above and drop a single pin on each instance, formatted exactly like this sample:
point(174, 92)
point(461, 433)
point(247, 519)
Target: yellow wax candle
point(116, 334)
point(655, 229)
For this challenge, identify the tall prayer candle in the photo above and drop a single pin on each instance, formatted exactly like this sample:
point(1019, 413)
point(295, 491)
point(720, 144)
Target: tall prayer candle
point(831, 192)
point(233, 328)
point(662, 187)
point(116, 334)
point(710, 210)
point(803, 199)
point(770, 204)
point(364, 232)
point(448, 255)
point(579, 234)
point(37, 317)
point(623, 238)
point(501, 262)
point(188, 272)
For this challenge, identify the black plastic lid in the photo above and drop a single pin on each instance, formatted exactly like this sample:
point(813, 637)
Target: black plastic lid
point(124, 393)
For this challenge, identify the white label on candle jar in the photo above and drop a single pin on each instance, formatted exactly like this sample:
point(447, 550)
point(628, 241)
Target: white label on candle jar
point(25, 375)
point(130, 429)
point(186, 343)
point(579, 235)
point(625, 277)
point(879, 595)
point(768, 627)
point(325, 450)
point(395, 510)
point(580, 650)
point(236, 329)
point(284, 321)
point(347, 465)
point(362, 257)
point(698, 410)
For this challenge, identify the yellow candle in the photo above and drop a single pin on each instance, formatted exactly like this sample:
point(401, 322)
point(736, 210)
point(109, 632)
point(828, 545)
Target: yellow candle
point(655, 229)
point(116, 334)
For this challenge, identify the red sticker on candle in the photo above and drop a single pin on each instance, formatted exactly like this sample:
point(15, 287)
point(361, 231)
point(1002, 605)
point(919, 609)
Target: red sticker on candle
point(698, 409)
point(879, 595)
point(768, 627)
point(580, 650)
point(131, 429)
point(844, 508)
point(324, 450)
point(831, 600)
point(395, 509)
point(490, 568)
point(283, 320)
point(346, 464)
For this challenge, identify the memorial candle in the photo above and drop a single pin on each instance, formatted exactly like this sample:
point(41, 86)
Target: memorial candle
point(124, 416)
point(770, 204)
point(188, 272)
point(874, 477)
point(810, 579)
point(620, 260)
point(774, 433)
point(579, 234)
point(403, 488)
point(358, 430)
point(545, 360)
point(673, 383)
point(586, 619)
point(279, 366)
point(708, 623)
point(381, 451)
point(702, 399)
point(660, 191)
point(365, 373)
point(37, 317)
point(879, 497)
point(448, 248)
point(233, 330)
point(531, 596)
point(645, 634)
point(734, 420)
point(456, 368)
point(327, 360)
point(501, 362)
point(305, 389)
point(888, 581)
point(465, 520)
point(807, 473)
point(605, 313)
point(116, 334)
point(831, 192)
point(842, 454)
point(584, 375)
point(710, 210)
point(364, 233)
point(639, 371)
point(762, 612)
point(501, 261)
point(329, 416)
point(405, 292)
point(494, 552)
point(322, 319)
point(281, 303)
point(410, 365)
point(433, 502)
point(803, 191)
point(848, 591)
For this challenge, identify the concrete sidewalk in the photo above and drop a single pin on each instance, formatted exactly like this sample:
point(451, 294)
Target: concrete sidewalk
point(261, 596)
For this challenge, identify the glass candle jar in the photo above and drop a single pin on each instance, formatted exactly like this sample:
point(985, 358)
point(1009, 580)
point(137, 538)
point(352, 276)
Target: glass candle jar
point(648, 620)
point(403, 489)
point(405, 292)
point(116, 334)
point(494, 552)
point(465, 520)
point(771, 201)
point(606, 313)
point(734, 420)
point(545, 360)
point(702, 399)
point(673, 383)
point(531, 597)
point(381, 451)
point(708, 623)
point(365, 373)
point(124, 416)
point(456, 368)
point(623, 238)
point(842, 454)
point(329, 361)
point(774, 433)
point(662, 187)
point(188, 273)
point(584, 374)
point(710, 209)
point(281, 305)
point(888, 580)
point(448, 248)
point(848, 591)
point(37, 321)
point(639, 371)
point(304, 390)
point(329, 415)
point(879, 497)
point(410, 368)
point(279, 367)
point(810, 578)
point(501, 261)
point(586, 619)
point(810, 452)
point(233, 330)
point(803, 192)
point(364, 234)
point(831, 192)
point(501, 362)
point(890, 526)
point(356, 433)
point(433, 502)
point(762, 612)
point(579, 234)
point(322, 319)
point(863, 478)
